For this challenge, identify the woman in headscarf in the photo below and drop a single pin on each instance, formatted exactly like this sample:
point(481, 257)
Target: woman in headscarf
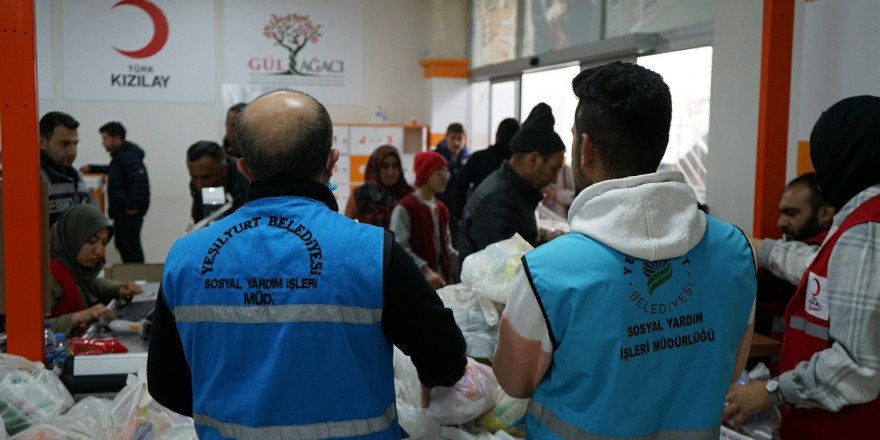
point(77, 242)
point(384, 186)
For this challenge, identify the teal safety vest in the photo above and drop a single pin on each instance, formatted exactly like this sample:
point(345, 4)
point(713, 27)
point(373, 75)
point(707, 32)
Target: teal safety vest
point(279, 309)
point(642, 349)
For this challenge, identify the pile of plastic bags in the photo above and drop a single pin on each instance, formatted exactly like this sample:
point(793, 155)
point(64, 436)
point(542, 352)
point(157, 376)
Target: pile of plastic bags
point(35, 405)
point(477, 303)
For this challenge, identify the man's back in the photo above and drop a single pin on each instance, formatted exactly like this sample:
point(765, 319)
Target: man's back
point(643, 308)
point(287, 287)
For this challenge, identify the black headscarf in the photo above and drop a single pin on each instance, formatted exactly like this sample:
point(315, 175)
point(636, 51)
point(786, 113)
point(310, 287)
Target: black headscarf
point(845, 149)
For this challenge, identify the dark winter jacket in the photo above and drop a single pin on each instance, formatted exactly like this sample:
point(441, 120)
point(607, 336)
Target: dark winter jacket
point(478, 167)
point(502, 205)
point(127, 184)
point(66, 187)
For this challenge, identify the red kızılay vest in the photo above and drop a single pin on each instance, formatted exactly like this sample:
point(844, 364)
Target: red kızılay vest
point(807, 333)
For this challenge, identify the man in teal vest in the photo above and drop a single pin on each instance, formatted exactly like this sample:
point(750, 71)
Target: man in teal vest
point(278, 320)
point(635, 324)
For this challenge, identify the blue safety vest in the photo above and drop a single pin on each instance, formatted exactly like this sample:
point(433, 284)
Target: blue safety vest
point(642, 349)
point(279, 309)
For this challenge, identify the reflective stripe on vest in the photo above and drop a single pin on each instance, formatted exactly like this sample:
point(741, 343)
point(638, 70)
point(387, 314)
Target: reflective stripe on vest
point(571, 432)
point(348, 428)
point(279, 313)
point(814, 330)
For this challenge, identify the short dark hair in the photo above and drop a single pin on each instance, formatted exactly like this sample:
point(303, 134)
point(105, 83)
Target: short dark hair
point(237, 107)
point(626, 110)
point(506, 129)
point(113, 128)
point(53, 119)
point(811, 182)
point(201, 149)
point(307, 144)
point(455, 127)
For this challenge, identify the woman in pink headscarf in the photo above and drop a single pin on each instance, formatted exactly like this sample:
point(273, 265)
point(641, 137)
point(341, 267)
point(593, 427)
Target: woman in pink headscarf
point(384, 186)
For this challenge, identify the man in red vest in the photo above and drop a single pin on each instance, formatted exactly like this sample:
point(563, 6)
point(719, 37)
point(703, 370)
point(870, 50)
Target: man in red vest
point(804, 219)
point(830, 378)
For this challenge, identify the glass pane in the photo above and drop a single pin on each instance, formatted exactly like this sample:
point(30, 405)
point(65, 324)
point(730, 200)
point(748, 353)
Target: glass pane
point(503, 103)
point(689, 76)
point(478, 135)
point(552, 87)
point(625, 17)
point(493, 32)
point(557, 24)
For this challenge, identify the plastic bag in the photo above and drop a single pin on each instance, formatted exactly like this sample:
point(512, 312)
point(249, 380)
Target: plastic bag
point(471, 314)
point(471, 396)
point(765, 424)
point(29, 393)
point(137, 416)
point(507, 415)
point(89, 419)
point(450, 433)
point(489, 272)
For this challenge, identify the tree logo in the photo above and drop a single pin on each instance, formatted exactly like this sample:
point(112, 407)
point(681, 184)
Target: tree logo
point(292, 32)
point(657, 272)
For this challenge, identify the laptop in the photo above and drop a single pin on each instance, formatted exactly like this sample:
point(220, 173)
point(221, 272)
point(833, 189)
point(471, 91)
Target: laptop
point(140, 307)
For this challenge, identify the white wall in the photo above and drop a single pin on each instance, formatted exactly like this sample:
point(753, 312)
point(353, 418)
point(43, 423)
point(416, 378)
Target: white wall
point(733, 134)
point(394, 42)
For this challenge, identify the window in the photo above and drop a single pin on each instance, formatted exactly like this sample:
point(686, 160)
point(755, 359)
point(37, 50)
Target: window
point(503, 102)
point(689, 76)
point(552, 87)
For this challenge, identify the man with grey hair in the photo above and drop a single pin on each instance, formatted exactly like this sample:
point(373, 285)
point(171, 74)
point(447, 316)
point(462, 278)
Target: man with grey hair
point(286, 294)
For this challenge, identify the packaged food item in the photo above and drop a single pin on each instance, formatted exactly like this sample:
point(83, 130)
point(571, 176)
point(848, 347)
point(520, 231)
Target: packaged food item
point(93, 346)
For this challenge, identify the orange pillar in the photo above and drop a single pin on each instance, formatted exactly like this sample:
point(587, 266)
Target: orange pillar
point(773, 114)
point(23, 218)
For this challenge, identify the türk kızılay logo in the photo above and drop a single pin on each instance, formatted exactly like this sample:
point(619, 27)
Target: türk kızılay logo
point(651, 294)
point(295, 32)
point(144, 76)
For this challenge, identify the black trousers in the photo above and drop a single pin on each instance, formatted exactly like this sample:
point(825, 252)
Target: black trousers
point(127, 236)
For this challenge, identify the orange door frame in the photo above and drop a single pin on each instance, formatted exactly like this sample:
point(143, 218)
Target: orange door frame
point(773, 110)
point(22, 207)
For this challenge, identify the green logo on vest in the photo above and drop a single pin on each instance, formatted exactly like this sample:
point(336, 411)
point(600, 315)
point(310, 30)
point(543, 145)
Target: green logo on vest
point(658, 272)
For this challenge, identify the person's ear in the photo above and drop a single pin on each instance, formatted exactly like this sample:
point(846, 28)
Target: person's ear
point(44, 143)
point(245, 169)
point(826, 215)
point(588, 151)
point(225, 166)
point(332, 158)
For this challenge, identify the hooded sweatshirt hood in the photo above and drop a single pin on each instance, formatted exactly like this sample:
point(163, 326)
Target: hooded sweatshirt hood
point(649, 216)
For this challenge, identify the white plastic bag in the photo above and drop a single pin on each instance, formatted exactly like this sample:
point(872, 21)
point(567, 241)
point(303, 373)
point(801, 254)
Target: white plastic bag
point(472, 314)
point(137, 416)
point(29, 394)
point(89, 419)
point(471, 396)
point(489, 272)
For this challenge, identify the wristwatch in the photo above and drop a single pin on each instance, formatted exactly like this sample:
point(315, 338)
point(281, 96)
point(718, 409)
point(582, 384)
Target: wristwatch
point(775, 392)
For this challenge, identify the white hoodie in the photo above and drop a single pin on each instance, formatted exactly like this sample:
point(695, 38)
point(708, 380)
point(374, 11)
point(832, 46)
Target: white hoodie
point(650, 216)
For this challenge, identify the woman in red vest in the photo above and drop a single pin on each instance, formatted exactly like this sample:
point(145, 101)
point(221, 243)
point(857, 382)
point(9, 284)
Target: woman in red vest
point(830, 364)
point(78, 241)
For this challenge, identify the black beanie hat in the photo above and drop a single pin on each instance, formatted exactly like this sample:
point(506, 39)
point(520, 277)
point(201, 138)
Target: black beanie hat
point(536, 133)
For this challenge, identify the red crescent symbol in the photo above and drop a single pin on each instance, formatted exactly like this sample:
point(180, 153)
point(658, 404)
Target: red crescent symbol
point(160, 29)
point(818, 288)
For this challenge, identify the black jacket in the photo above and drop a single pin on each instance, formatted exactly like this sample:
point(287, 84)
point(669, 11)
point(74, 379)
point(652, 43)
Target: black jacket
point(502, 205)
point(478, 167)
point(128, 186)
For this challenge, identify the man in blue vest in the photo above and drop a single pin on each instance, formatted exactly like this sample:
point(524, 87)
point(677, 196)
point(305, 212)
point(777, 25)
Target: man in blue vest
point(278, 320)
point(635, 324)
